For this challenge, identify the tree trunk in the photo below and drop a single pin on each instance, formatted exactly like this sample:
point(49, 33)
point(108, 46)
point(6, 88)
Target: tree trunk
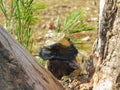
point(18, 69)
point(107, 48)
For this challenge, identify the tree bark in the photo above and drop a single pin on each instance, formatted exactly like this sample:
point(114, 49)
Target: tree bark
point(18, 69)
point(107, 48)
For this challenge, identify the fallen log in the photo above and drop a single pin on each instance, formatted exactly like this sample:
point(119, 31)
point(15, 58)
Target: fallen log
point(19, 70)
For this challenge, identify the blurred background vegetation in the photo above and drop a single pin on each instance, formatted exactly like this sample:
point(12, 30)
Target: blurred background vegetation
point(29, 21)
point(19, 18)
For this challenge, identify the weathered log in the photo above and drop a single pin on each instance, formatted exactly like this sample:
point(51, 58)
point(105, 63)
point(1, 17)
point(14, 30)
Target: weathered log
point(18, 69)
point(107, 48)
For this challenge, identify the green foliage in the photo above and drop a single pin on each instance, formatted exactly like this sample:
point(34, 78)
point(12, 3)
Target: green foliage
point(73, 23)
point(42, 62)
point(20, 17)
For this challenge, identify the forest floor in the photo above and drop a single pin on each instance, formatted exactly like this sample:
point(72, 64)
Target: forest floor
point(62, 8)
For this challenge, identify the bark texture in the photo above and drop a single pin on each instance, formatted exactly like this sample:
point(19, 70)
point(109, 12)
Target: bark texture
point(107, 48)
point(18, 69)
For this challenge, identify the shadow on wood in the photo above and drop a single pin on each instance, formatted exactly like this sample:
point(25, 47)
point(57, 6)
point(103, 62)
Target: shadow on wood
point(18, 69)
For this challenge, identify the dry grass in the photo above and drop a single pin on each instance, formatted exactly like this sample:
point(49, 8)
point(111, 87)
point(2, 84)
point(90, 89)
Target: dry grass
point(62, 8)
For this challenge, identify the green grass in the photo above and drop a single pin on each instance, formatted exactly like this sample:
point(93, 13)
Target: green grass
point(73, 23)
point(20, 18)
point(42, 62)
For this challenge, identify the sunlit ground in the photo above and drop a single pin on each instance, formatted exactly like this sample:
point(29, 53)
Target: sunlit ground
point(62, 8)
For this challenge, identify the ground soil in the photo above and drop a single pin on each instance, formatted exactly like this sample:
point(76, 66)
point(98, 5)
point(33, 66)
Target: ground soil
point(62, 8)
